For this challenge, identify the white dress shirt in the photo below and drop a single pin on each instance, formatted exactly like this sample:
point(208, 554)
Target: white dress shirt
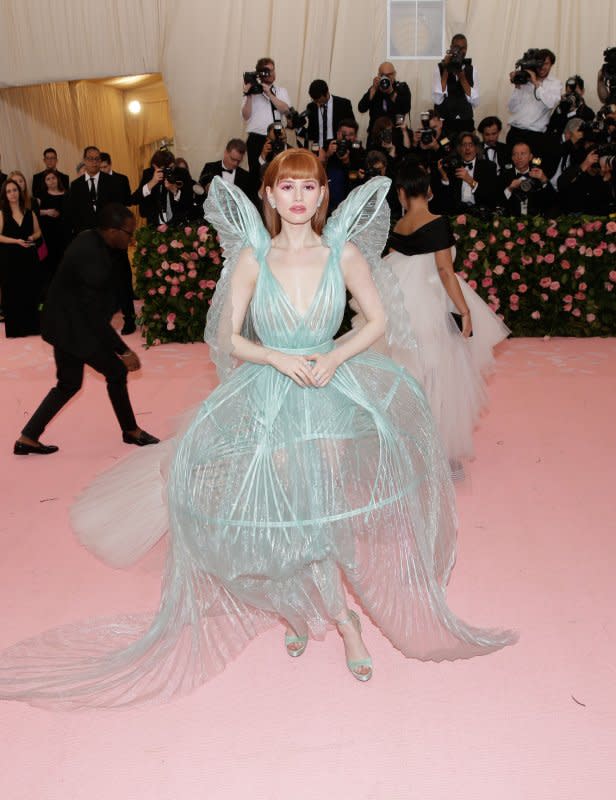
point(531, 108)
point(438, 94)
point(263, 112)
point(329, 133)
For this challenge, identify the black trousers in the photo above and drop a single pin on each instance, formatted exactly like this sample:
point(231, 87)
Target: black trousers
point(69, 371)
point(538, 142)
point(254, 145)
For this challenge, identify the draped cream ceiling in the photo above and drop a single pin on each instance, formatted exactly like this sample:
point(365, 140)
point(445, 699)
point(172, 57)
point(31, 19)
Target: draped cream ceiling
point(201, 47)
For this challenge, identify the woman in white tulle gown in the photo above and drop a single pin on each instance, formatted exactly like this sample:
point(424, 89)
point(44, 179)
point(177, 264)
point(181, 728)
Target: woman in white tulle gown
point(448, 362)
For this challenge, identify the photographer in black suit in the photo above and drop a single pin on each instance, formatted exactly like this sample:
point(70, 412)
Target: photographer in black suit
point(50, 157)
point(164, 194)
point(472, 183)
point(229, 169)
point(527, 190)
point(386, 97)
point(325, 113)
point(343, 158)
point(121, 262)
point(455, 88)
point(76, 322)
point(490, 129)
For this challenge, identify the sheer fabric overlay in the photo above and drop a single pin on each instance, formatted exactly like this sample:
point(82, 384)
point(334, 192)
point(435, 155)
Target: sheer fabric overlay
point(277, 496)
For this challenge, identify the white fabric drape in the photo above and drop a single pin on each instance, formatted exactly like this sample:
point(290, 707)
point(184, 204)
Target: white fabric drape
point(201, 47)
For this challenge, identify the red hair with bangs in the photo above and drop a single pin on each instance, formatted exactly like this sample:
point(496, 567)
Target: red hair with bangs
point(300, 165)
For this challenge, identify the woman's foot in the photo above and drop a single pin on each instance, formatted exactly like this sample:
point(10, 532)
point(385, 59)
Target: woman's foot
point(358, 658)
point(295, 644)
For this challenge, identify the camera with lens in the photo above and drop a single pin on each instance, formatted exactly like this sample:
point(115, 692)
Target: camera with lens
point(254, 80)
point(173, 175)
point(279, 144)
point(594, 132)
point(451, 162)
point(427, 134)
point(297, 119)
point(570, 100)
point(456, 61)
point(386, 136)
point(607, 152)
point(385, 84)
point(528, 185)
point(608, 68)
point(532, 60)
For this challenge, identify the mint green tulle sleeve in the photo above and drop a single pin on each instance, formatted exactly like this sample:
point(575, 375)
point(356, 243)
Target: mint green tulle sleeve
point(238, 225)
point(364, 219)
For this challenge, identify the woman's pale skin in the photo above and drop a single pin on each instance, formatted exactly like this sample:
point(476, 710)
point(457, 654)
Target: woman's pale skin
point(51, 182)
point(297, 259)
point(417, 215)
point(12, 194)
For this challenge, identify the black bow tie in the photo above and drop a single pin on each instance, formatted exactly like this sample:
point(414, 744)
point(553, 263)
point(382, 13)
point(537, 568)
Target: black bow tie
point(521, 174)
point(224, 169)
point(468, 163)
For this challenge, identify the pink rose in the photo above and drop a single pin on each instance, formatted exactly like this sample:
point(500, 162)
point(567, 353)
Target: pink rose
point(188, 230)
point(492, 290)
point(479, 245)
point(189, 295)
point(552, 232)
point(522, 288)
point(580, 296)
point(174, 291)
point(576, 312)
point(608, 286)
point(148, 273)
point(491, 238)
point(177, 245)
point(554, 286)
point(580, 231)
point(202, 284)
point(526, 260)
point(472, 233)
point(513, 298)
point(162, 290)
point(565, 264)
point(168, 278)
point(171, 317)
point(534, 237)
point(499, 269)
point(581, 269)
point(463, 275)
point(549, 258)
point(545, 282)
point(215, 257)
point(192, 273)
point(536, 315)
point(473, 256)
point(611, 226)
point(162, 248)
point(193, 257)
point(567, 307)
point(210, 284)
point(597, 251)
point(182, 278)
point(612, 275)
point(496, 224)
point(159, 273)
point(571, 242)
point(582, 287)
point(200, 295)
point(202, 251)
point(520, 226)
point(506, 233)
point(171, 326)
point(567, 299)
point(520, 240)
point(143, 251)
point(590, 318)
point(461, 219)
point(561, 249)
point(505, 259)
point(195, 244)
point(509, 245)
point(472, 284)
point(156, 342)
point(544, 297)
point(151, 291)
point(500, 253)
point(164, 265)
point(486, 282)
point(162, 228)
point(175, 280)
point(539, 259)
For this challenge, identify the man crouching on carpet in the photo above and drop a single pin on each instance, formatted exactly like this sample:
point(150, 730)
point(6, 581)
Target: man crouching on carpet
point(77, 323)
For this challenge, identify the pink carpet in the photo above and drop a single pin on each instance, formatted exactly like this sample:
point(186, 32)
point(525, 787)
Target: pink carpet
point(536, 552)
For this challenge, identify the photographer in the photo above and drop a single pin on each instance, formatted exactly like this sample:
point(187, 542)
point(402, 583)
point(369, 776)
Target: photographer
point(275, 142)
point(534, 96)
point(571, 105)
point(571, 150)
point(164, 194)
point(426, 141)
point(455, 88)
point(495, 151)
point(344, 158)
point(376, 164)
point(325, 113)
point(467, 183)
point(528, 191)
point(263, 104)
point(384, 135)
point(587, 187)
point(386, 97)
point(229, 169)
point(606, 79)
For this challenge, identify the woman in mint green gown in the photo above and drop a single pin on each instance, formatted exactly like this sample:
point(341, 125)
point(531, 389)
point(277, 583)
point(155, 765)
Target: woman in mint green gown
point(313, 470)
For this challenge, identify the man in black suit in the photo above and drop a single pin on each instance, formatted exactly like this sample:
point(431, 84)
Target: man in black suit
point(90, 192)
point(76, 322)
point(473, 185)
point(50, 157)
point(160, 200)
point(527, 190)
point(387, 97)
point(325, 113)
point(228, 168)
point(490, 129)
point(121, 262)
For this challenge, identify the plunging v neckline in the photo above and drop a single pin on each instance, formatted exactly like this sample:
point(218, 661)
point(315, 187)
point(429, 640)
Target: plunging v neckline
point(283, 291)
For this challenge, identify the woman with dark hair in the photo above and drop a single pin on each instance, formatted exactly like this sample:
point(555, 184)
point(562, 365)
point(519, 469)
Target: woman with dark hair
point(30, 202)
point(313, 467)
point(53, 221)
point(447, 362)
point(19, 264)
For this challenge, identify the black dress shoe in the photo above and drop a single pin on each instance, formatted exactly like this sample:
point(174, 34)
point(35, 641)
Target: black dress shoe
point(23, 449)
point(129, 327)
point(142, 439)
